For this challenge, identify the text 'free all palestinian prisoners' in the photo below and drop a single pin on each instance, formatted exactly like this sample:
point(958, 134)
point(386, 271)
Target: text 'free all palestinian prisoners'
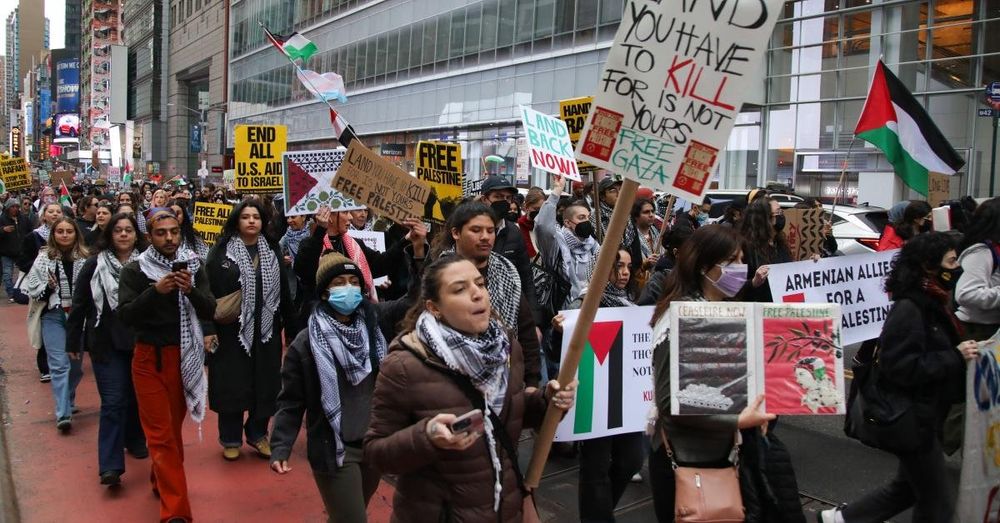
point(836, 276)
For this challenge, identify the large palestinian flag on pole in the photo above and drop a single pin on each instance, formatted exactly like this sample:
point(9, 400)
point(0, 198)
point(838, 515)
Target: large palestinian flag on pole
point(895, 122)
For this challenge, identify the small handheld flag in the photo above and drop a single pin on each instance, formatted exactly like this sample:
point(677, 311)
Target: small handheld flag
point(64, 198)
point(896, 123)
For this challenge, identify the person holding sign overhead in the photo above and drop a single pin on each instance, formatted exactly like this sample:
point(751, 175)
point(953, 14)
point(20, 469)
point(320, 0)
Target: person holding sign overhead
point(569, 249)
point(247, 275)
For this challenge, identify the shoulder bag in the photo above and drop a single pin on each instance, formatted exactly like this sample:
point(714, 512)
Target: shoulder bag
point(706, 495)
point(227, 308)
point(878, 414)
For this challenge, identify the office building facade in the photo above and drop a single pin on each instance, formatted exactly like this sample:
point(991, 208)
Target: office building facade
point(436, 69)
point(146, 35)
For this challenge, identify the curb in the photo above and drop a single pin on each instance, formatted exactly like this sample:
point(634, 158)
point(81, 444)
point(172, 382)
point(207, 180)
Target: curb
point(9, 510)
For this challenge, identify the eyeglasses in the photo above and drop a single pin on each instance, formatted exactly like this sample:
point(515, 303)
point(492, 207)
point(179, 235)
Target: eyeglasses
point(612, 190)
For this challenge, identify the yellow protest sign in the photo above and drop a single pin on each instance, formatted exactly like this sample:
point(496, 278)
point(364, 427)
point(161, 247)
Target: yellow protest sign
point(257, 151)
point(209, 218)
point(370, 180)
point(440, 165)
point(15, 173)
point(574, 112)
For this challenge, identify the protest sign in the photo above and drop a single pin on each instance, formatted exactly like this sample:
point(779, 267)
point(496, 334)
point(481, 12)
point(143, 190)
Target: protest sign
point(258, 150)
point(15, 173)
point(723, 355)
point(370, 180)
point(941, 218)
point(855, 282)
point(3, 187)
point(804, 232)
point(209, 218)
point(672, 87)
point(938, 188)
point(710, 372)
point(548, 144)
point(979, 480)
point(522, 169)
point(308, 177)
point(440, 165)
point(574, 112)
point(374, 240)
point(803, 360)
point(615, 374)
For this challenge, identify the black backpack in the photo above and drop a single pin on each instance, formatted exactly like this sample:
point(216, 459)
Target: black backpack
point(551, 289)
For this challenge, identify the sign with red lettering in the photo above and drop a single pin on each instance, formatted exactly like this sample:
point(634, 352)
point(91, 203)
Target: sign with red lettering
point(672, 88)
point(549, 145)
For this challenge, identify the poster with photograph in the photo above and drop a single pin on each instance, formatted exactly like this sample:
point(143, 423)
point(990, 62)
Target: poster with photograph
point(803, 359)
point(710, 365)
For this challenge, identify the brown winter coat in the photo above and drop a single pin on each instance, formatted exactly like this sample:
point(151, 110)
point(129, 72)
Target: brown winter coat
point(433, 484)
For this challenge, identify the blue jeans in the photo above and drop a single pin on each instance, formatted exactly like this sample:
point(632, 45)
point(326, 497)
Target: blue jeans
point(7, 268)
point(66, 373)
point(119, 426)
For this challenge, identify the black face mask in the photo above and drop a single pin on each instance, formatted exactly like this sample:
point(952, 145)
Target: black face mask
point(513, 216)
point(583, 230)
point(501, 208)
point(532, 215)
point(949, 277)
point(928, 226)
point(779, 223)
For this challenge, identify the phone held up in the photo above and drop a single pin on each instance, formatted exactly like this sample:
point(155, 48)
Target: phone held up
point(179, 266)
point(470, 422)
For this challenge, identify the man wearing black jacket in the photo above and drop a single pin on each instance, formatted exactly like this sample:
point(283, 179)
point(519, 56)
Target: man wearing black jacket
point(329, 235)
point(497, 193)
point(13, 229)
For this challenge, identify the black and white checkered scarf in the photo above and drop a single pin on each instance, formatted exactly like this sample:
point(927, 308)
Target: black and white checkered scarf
point(155, 266)
point(104, 285)
point(615, 297)
point(504, 285)
point(627, 237)
point(270, 276)
point(335, 344)
point(483, 359)
point(647, 247)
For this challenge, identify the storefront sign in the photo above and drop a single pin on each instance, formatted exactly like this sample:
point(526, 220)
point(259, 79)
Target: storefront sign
point(392, 149)
point(258, 151)
point(672, 87)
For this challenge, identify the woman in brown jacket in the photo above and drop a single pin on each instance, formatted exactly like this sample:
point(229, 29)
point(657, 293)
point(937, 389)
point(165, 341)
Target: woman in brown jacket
point(453, 357)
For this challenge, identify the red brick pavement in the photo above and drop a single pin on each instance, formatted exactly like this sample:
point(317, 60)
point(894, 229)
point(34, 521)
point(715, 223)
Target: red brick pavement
point(56, 476)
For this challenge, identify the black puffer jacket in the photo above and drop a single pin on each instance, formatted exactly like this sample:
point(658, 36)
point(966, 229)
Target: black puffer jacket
point(767, 479)
point(10, 242)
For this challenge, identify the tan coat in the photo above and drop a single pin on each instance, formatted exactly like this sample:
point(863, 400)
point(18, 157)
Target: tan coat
point(442, 485)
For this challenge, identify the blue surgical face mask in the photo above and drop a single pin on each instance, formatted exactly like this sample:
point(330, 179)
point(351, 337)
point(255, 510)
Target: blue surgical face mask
point(345, 299)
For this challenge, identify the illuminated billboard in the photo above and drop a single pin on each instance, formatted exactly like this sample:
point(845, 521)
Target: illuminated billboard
point(66, 127)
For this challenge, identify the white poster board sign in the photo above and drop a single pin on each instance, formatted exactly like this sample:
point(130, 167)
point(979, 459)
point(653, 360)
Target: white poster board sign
point(549, 145)
point(615, 374)
point(855, 282)
point(307, 184)
point(374, 240)
point(672, 87)
point(979, 483)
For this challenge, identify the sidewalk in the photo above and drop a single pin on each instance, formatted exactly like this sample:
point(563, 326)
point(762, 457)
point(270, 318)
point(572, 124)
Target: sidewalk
point(56, 476)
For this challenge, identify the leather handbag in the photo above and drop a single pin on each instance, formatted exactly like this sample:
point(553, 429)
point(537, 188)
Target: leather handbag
point(706, 495)
point(227, 308)
point(878, 414)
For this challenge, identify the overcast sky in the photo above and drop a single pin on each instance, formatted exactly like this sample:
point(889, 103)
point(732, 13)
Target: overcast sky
point(55, 11)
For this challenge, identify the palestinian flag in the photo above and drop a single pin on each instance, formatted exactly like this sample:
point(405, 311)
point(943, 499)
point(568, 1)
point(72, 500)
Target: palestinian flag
point(600, 373)
point(895, 122)
point(64, 198)
point(294, 46)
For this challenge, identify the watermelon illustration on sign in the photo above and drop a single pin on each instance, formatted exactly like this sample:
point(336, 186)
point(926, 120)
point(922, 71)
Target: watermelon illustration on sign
point(309, 179)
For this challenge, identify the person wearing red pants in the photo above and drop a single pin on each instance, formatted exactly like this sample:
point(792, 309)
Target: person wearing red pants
point(164, 296)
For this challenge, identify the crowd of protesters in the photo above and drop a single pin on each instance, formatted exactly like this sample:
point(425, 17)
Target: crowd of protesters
point(431, 375)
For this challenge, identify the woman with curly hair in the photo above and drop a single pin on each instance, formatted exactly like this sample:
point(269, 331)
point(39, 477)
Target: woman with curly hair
point(764, 245)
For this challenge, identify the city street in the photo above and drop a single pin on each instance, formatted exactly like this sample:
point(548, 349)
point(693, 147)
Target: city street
point(55, 477)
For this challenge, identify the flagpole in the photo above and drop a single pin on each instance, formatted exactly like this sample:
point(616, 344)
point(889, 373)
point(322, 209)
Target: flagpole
point(843, 175)
point(302, 76)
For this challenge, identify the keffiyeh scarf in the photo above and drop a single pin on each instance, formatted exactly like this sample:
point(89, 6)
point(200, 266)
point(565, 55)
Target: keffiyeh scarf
point(36, 283)
point(483, 359)
point(270, 276)
point(335, 344)
point(293, 239)
point(354, 252)
point(104, 285)
point(627, 237)
point(504, 285)
point(155, 266)
point(615, 297)
point(43, 230)
point(648, 247)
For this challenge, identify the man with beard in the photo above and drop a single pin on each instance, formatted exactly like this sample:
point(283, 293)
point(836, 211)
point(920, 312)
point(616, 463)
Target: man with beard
point(472, 229)
point(164, 297)
point(497, 193)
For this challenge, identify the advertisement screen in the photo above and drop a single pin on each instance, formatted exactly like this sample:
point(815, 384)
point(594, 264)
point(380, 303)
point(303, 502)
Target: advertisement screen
point(66, 127)
point(68, 86)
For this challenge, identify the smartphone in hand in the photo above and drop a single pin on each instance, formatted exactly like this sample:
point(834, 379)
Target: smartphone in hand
point(469, 422)
point(179, 266)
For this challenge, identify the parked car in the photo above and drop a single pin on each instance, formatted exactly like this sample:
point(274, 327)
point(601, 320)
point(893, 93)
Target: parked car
point(857, 228)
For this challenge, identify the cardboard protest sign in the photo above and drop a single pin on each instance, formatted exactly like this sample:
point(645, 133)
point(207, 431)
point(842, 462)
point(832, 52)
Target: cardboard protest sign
point(803, 359)
point(370, 180)
point(15, 173)
point(710, 367)
point(549, 144)
point(209, 218)
point(804, 232)
point(855, 282)
point(374, 240)
point(440, 165)
point(672, 87)
point(258, 150)
point(938, 188)
point(979, 480)
point(308, 177)
point(616, 388)
point(574, 112)
point(522, 169)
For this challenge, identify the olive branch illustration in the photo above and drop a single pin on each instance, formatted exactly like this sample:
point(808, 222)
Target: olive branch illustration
point(804, 342)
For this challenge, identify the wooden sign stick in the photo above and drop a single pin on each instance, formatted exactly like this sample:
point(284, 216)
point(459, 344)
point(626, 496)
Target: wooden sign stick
point(591, 301)
point(667, 215)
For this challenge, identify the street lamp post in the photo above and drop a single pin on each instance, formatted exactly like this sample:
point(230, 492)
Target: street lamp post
point(202, 113)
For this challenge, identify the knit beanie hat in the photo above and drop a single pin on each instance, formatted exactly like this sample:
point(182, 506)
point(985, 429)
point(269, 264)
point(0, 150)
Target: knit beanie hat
point(332, 265)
